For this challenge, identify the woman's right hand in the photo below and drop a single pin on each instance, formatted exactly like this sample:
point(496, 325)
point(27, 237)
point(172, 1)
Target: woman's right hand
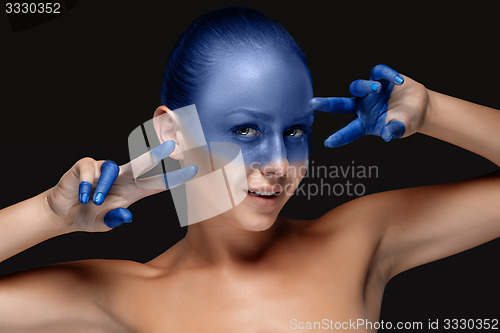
point(77, 208)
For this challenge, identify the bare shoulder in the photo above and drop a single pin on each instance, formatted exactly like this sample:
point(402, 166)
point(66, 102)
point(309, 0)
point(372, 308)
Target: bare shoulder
point(74, 294)
point(364, 214)
point(355, 227)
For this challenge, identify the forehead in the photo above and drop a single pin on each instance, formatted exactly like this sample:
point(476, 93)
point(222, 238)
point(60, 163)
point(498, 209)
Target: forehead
point(268, 81)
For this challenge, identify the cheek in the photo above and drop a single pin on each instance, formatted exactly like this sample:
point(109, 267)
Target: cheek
point(297, 152)
point(297, 171)
point(252, 156)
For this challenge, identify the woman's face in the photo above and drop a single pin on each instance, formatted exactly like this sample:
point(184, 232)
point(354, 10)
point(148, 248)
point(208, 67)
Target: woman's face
point(259, 100)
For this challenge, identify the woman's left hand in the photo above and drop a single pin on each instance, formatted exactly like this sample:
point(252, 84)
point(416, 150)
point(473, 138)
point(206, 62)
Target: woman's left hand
point(389, 105)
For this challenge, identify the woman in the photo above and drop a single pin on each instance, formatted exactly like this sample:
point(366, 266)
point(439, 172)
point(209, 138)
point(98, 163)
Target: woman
point(248, 269)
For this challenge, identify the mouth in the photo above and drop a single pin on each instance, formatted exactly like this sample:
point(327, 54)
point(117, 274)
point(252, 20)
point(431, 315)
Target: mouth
point(263, 194)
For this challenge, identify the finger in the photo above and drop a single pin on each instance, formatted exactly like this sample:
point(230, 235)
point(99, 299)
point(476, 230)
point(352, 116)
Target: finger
point(383, 72)
point(168, 180)
point(84, 192)
point(109, 172)
point(354, 130)
point(85, 169)
point(117, 216)
point(334, 104)
point(393, 130)
point(150, 159)
point(361, 88)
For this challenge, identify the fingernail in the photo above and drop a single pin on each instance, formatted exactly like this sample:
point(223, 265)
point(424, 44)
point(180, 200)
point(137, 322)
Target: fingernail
point(399, 79)
point(84, 198)
point(392, 136)
point(99, 198)
point(374, 87)
point(84, 190)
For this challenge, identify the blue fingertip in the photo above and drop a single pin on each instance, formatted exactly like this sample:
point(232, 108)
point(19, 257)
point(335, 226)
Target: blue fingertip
point(84, 192)
point(163, 151)
point(374, 87)
point(117, 217)
point(399, 79)
point(393, 130)
point(84, 198)
point(317, 102)
point(98, 198)
point(178, 177)
point(329, 143)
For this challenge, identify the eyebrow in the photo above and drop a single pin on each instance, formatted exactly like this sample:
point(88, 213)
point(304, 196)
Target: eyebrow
point(253, 113)
point(262, 115)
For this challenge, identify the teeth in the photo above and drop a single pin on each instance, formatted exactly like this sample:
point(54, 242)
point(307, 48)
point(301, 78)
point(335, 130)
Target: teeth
point(263, 193)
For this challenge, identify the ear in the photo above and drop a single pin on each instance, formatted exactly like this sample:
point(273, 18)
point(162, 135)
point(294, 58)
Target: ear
point(167, 128)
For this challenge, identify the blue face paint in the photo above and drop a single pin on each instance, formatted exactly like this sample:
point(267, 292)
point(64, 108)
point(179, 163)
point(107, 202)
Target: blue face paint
point(260, 101)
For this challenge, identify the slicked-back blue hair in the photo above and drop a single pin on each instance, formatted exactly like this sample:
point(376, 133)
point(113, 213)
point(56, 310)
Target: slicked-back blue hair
point(223, 30)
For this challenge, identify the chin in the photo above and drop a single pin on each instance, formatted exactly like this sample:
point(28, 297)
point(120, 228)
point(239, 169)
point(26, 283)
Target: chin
point(250, 218)
point(256, 222)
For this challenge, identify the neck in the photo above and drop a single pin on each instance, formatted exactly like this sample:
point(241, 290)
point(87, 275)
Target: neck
point(217, 242)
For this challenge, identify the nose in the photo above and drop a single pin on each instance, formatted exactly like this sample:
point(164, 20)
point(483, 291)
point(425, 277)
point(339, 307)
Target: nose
point(274, 161)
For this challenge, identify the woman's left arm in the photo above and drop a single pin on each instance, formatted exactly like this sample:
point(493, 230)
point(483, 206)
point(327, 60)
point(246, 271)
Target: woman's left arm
point(418, 225)
point(464, 124)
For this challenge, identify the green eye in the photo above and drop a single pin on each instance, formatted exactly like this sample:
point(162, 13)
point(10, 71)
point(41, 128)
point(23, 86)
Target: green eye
point(295, 132)
point(247, 131)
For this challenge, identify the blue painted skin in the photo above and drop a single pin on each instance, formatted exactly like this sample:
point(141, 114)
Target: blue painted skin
point(109, 173)
point(260, 101)
point(268, 112)
point(117, 217)
point(84, 192)
point(369, 104)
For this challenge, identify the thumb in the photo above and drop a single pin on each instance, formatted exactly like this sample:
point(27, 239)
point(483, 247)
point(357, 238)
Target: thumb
point(117, 216)
point(393, 130)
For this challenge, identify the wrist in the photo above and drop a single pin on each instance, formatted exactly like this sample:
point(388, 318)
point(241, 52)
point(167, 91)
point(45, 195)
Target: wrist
point(430, 113)
point(53, 222)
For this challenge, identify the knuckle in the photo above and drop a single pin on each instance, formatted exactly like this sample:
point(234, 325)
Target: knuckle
point(378, 68)
point(110, 164)
point(86, 162)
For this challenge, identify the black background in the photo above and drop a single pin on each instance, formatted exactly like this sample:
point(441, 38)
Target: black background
point(77, 86)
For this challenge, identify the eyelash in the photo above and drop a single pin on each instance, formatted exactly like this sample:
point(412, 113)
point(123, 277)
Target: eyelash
point(239, 130)
point(242, 129)
point(302, 132)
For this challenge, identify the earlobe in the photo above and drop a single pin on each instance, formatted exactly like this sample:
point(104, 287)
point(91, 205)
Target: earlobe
point(167, 128)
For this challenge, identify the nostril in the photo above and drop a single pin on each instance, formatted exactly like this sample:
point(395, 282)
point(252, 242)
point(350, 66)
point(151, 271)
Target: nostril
point(275, 169)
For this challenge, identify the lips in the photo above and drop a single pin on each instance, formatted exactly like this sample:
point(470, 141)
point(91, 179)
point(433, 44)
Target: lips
point(263, 192)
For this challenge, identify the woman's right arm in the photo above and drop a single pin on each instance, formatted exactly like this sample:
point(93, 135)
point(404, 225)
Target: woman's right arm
point(28, 223)
point(56, 297)
point(63, 296)
point(59, 210)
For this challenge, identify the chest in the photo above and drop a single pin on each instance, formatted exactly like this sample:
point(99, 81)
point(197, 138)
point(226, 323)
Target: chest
point(296, 300)
point(295, 290)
